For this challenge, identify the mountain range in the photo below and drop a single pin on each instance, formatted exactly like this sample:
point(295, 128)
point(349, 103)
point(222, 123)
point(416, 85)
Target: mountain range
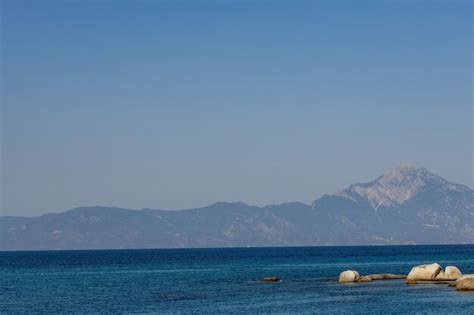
point(406, 205)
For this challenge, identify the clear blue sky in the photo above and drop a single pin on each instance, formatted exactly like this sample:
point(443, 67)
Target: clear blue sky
point(178, 104)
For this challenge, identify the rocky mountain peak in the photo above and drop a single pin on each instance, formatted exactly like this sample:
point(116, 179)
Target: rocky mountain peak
point(398, 185)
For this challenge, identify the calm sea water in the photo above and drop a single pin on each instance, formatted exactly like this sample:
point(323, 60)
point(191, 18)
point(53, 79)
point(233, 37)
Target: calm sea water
point(223, 281)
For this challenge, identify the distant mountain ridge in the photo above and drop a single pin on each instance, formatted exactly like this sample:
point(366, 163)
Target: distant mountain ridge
point(406, 205)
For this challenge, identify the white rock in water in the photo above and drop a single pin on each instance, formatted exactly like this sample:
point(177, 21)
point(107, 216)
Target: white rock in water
point(424, 272)
point(465, 283)
point(349, 276)
point(441, 276)
point(450, 273)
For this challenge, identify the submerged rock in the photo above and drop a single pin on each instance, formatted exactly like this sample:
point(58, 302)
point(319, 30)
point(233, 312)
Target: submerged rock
point(448, 282)
point(349, 276)
point(424, 272)
point(364, 279)
point(380, 276)
point(386, 276)
point(353, 276)
point(270, 279)
point(465, 283)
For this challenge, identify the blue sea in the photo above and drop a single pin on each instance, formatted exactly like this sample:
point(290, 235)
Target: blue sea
point(210, 281)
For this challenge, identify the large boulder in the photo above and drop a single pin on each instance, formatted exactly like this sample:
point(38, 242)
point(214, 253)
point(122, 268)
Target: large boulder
point(424, 272)
point(349, 276)
point(452, 273)
point(449, 274)
point(465, 283)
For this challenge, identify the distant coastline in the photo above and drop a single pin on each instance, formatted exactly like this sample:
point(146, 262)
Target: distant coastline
point(407, 205)
point(467, 245)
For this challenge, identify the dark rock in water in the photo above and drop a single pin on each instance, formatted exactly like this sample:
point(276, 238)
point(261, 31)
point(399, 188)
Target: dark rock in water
point(270, 279)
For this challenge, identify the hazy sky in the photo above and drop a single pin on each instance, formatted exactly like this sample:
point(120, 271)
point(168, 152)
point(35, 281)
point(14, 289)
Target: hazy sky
point(178, 104)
